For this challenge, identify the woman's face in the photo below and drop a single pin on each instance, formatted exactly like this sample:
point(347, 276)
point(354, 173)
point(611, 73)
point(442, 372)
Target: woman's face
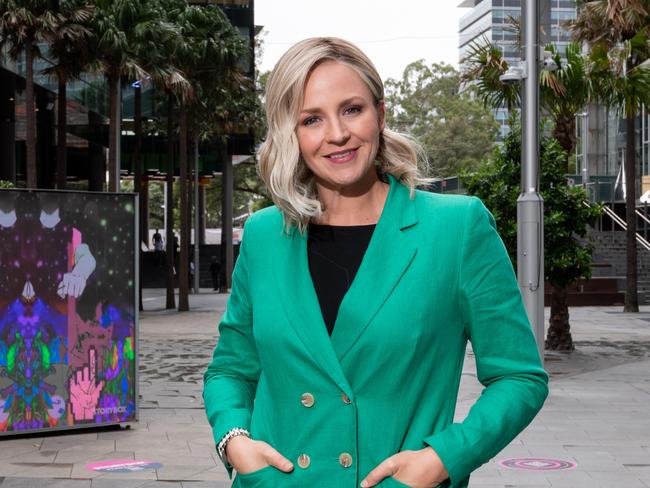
point(338, 128)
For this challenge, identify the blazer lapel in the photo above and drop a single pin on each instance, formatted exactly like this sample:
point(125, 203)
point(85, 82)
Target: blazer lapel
point(301, 305)
point(390, 252)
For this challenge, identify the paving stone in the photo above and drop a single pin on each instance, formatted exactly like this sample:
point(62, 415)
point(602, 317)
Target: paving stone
point(109, 483)
point(206, 484)
point(10, 450)
point(43, 483)
point(37, 470)
point(181, 472)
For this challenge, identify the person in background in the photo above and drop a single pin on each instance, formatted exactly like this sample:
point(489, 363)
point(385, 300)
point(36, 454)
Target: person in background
point(215, 273)
point(157, 242)
point(341, 349)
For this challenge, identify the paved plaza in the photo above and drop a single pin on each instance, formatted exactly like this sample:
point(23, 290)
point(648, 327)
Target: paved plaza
point(596, 421)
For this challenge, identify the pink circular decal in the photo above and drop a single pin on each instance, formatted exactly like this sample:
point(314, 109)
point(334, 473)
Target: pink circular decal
point(537, 464)
point(123, 466)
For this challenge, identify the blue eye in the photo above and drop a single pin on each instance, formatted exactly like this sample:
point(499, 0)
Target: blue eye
point(310, 121)
point(353, 110)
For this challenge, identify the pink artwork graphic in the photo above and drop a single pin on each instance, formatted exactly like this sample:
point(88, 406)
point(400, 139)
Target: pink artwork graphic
point(84, 390)
point(124, 466)
point(86, 335)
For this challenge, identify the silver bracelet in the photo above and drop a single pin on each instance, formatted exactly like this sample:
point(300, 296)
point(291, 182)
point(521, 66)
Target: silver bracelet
point(221, 448)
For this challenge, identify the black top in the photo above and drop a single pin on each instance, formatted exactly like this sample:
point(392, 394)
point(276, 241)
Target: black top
point(335, 254)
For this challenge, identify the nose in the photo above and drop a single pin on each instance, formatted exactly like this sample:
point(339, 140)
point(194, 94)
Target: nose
point(337, 132)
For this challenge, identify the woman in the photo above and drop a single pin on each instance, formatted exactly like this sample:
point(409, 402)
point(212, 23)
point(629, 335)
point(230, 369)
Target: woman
point(341, 350)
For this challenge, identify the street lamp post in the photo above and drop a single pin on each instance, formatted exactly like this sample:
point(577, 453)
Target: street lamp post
point(530, 205)
point(197, 217)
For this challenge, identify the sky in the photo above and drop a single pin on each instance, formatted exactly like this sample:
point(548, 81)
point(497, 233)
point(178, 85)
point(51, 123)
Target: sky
point(392, 33)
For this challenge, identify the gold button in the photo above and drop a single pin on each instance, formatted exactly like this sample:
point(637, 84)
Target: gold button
point(304, 461)
point(346, 399)
point(345, 459)
point(307, 399)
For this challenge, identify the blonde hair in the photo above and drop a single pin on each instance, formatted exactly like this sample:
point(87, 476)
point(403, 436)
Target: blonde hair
point(289, 181)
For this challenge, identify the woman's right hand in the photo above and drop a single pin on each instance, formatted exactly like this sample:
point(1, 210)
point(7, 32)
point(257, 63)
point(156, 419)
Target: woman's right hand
point(247, 455)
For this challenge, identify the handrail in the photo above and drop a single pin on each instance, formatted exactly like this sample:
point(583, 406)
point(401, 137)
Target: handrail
point(617, 220)
point(642, 215)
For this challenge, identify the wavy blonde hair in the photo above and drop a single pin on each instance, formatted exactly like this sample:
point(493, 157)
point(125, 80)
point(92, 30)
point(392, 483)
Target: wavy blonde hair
point(288, 179)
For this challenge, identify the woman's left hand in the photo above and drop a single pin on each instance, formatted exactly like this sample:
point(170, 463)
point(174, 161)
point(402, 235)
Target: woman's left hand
point(417, 469)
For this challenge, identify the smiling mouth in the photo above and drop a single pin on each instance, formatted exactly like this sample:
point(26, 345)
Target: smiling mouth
point(343, 156)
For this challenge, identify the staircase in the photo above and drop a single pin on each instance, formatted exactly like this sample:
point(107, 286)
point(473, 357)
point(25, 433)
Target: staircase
point(609, 262)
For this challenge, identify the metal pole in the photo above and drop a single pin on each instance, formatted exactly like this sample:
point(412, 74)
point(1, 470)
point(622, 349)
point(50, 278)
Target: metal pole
point(645, 222)
point(118, 138)
point(196, 216)
point(585, 149)
point(226, 223)
point(165, 212)
point(530, 205)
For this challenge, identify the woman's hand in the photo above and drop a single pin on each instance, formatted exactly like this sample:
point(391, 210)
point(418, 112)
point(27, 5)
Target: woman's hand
point(417, 469)
point(247, 455)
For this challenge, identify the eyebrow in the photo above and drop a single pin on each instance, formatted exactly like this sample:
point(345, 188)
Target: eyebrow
point(347, 101)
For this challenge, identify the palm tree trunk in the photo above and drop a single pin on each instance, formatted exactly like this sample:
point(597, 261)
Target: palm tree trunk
point(183, 268)
point(169, 207)
point(565, 133)
point(191, 203)
point(62, 129)
point(559, 337)
point(113, 124)
point(30, 116)
point(631, 297)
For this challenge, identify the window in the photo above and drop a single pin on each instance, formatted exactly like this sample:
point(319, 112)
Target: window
point(560, 15)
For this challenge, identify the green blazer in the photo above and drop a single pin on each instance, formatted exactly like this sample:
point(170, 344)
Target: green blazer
point(435, 275)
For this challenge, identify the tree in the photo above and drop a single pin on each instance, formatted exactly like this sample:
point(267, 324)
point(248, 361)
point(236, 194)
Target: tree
point(121, 26)
point(154, 52)
point(566, 220)
point(70, 57)
point(455, 130)
point(618, 35)
point(565, 89)
point(22, 24)
point(207, 54)
point(482, 68)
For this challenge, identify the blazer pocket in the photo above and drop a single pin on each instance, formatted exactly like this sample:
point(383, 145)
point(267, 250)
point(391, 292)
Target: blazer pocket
point(390, 481)
point(257, 478)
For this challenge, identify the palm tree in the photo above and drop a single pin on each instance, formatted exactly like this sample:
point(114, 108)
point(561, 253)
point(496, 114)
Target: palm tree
point(208, 53)
point(152, 49)
point(70, 56)
point(619, 40)
point(482, 68)
point(121, 26)
point(23, 23)
point(565, 90)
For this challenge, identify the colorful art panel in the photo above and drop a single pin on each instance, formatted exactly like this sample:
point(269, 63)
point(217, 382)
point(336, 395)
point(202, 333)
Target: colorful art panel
point(67, 310)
